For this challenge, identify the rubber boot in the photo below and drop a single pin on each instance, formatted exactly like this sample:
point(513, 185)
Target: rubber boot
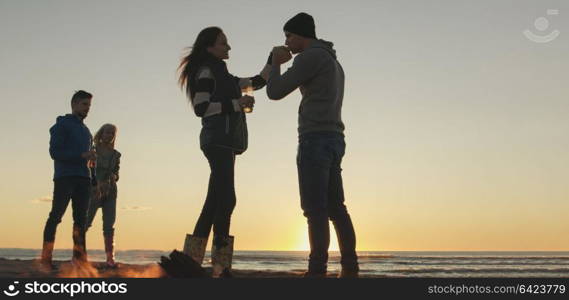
point(79, 246)
point(46, 262)
point(221, 256)
point(110, 250)
point(194, 247)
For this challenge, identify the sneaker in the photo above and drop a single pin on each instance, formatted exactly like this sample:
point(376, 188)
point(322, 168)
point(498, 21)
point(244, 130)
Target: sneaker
point(348, 274)
point(226, 273)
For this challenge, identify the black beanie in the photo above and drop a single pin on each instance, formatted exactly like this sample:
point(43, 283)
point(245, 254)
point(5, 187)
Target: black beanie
point(301, 24)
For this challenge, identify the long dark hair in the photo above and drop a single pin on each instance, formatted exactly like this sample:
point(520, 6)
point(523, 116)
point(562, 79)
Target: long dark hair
point(190, 63)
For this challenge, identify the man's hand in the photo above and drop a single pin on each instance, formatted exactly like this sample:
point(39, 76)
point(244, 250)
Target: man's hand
point(89, 155)
point(281, 54)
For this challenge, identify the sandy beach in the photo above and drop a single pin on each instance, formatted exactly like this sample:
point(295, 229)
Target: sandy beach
point(16, 268)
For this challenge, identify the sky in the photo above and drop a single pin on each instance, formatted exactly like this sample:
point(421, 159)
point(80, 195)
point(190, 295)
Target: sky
point(456, 121)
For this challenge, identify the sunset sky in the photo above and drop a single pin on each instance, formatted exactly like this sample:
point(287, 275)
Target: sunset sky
point(457, 125)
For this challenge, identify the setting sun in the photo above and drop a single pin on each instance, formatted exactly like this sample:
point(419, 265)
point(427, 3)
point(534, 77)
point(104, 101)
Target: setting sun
point(304, 244)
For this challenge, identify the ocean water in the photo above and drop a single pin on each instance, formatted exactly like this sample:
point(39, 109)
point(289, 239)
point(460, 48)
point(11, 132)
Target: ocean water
point(376, 263)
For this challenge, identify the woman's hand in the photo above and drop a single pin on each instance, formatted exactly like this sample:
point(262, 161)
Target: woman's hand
point(281, 54)
point(103, 187)
point(246, 101)
point(98, 192)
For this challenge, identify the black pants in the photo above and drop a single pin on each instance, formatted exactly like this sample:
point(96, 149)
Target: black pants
point(74, 188)
point(107, 201)
point(220, 200)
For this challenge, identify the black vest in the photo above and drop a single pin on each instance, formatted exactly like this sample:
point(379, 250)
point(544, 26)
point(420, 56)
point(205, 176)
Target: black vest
point(229, 129)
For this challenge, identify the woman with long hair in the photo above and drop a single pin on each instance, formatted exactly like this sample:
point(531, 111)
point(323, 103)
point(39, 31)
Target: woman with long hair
point(105, 193)
point(217, 98)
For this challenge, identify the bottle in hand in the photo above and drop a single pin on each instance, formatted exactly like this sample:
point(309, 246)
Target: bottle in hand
point(249, 92)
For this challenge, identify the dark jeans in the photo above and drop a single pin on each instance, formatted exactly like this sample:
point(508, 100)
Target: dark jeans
point(108, 204)
point(322, 197)
point(76, 189)
point(220, 200)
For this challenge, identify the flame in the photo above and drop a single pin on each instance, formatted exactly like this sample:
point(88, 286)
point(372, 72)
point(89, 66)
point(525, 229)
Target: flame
point(148, 271)
point(78, 270)
point(88, 270)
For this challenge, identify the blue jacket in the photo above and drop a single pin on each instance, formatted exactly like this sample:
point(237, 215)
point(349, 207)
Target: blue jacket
point(69, 138)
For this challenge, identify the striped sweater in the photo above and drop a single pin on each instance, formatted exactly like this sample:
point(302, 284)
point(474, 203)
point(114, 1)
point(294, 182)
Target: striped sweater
point(205, 88)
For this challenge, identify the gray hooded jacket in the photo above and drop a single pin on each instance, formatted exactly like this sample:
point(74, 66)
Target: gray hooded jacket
point(320, 77)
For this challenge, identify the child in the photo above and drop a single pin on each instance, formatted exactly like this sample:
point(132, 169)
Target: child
point(105, 193)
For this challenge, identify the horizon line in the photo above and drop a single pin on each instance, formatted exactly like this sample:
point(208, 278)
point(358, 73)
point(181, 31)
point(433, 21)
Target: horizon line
point(258, 250)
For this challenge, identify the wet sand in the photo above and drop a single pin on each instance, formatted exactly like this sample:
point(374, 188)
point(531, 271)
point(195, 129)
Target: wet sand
point(15, 268)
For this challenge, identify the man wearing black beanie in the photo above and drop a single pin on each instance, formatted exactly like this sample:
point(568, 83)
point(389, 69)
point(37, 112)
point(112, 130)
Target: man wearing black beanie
point(320, 77)
point(301, 24)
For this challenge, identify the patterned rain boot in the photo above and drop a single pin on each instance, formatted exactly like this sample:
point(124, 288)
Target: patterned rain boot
point(221, 256)
point(194, 247)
